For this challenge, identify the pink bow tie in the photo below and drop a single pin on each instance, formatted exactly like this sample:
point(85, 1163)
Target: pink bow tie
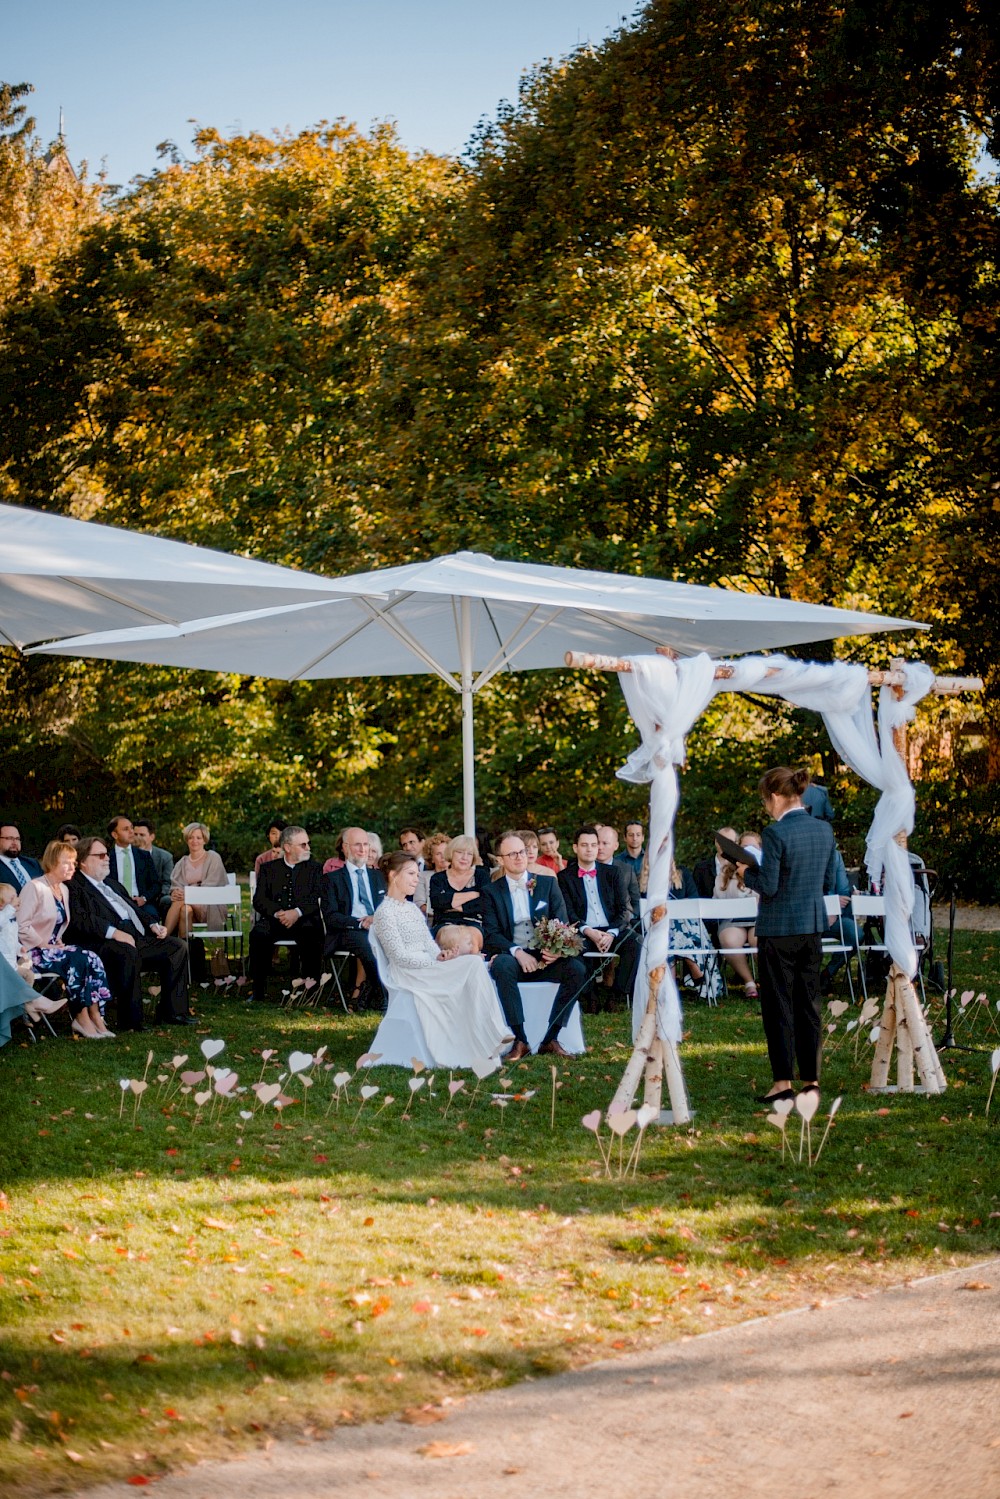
point(587, 874)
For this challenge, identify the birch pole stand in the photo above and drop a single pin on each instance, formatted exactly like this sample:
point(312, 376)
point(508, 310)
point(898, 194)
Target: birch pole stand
point(903, 1021)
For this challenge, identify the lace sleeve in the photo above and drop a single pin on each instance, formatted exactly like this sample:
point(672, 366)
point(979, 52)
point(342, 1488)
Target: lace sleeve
point(403, 942)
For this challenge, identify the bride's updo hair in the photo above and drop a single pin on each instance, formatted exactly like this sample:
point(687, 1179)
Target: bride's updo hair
point(784, 782)
point(392, 863)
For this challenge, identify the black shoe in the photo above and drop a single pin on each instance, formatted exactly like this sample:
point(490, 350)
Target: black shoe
point(181, 1020)
point(776, 1097)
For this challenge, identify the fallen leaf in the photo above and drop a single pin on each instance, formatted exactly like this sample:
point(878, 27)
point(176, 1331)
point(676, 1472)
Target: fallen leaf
point(446, 1449)
point(422, 1415)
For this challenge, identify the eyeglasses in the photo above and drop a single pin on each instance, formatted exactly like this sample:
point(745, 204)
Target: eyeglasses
point(515, 853)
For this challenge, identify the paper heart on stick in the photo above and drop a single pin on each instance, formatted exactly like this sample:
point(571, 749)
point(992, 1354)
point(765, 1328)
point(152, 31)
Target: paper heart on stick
point(455, 1087)
point(645, 1115)
point(161, 1077)
point(191, 1078)
point(218, 1072)
point(282, 1101)
point(417, 1064)
point(306, 1082)
point(225, 1084)
point(320, 1053)
point(592, 1121)
point(995, 1060)
point(299, 1061)
point(779, 1120)
point(621, 1121)
point(154, 991)
point(485, 1065)
point(185, 1090)
point(416, 1083)
point(210, 1049)
point(203, 1097)
point(176, 1062)
point(368, 1091)
point(246, 1114)
point(784, 1105)
point(267, 1092)
point(124, 1084)
point(368, 1059)
point(341, 1079)
point(837, 1006)
point(806, 1103)
point(266, 1055)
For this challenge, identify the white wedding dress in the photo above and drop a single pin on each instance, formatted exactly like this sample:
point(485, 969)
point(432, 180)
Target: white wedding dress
point(456, 1000)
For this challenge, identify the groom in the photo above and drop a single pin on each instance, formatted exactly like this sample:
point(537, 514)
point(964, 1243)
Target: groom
point(511, 907)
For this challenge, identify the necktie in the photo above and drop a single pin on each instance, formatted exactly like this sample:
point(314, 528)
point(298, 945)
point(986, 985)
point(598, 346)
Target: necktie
point(19, 870)
point(587, 874)
point(363, 893)
point(128, 872)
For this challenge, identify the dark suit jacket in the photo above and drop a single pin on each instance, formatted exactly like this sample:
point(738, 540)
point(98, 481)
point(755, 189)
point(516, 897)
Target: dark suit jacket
point(30, 866)
point(799, 868)
point(816, 799)
point(147, 881)
point(688, 889)
point(90, 914)
point(611, 888)
point(307, 888)
point(498, 910)
point(338, 897)
point(704, 877)
point(626, 873)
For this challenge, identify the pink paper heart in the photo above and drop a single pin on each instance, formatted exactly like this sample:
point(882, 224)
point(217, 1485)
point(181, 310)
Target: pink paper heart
point(190, 1078)
point(592, 1120)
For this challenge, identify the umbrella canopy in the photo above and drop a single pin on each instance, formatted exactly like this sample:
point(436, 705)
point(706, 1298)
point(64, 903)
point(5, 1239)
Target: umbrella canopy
point(60, 576)
point(467, 617)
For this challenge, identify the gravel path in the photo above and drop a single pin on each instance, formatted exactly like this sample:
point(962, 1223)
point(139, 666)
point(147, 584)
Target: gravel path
point(967, 919)
point(893, 1395)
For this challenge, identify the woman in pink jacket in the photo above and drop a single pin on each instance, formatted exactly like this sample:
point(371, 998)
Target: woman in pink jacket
point(41, 921)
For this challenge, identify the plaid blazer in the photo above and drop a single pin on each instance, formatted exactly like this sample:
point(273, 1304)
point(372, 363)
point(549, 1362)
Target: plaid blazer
point(799, 867)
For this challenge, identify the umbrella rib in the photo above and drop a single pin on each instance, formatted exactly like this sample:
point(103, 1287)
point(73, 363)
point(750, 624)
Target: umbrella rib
point(380, 616)
point(505, 655)
point(104, 593)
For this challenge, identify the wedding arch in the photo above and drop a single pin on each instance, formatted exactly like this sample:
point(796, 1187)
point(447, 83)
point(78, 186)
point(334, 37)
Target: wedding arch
point(666, 695)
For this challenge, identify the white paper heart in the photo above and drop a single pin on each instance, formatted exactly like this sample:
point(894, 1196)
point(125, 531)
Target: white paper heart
point(995, 1060)
point(299, 1061)
point(368, 1091)
point(806, 1104)
point(246, 1114)
point(176, 1062)
point(210, 1049)
point(622, 1121)
point(218, 1072)
point(645, 1114)
point(485, 1065)
point(836, 1105)
point(783, 1105)
point(852, 1025)
point(368, 1059)
point(267, 1092)
point(203, 1097)
point(185, 1090)
point(876, 1031)
point(341, 1079)
point(320, 1053)
point(124, 1084)
point(592, 1120)
point(306, 1082)
point(837, 1006)
point(416, 1083)
point(967, 994)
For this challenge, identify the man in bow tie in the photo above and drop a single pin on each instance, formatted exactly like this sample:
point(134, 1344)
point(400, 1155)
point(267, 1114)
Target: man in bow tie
point(596, 898)
point(511, 907)
point(351, 896)
point(15, 868)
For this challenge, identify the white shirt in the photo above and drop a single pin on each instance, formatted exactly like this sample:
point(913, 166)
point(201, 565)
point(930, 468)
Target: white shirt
point(596, 914)
point(519, 898)
point(359, 877)
point(114, 899)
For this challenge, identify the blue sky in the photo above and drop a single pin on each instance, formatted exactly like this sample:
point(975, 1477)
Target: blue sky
point(130, 75)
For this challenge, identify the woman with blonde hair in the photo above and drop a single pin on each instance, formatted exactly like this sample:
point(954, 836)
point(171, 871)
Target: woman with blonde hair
point(42, 920)
point(733, 935)
point(435, 857)
point(201, 865)
point(456, 892)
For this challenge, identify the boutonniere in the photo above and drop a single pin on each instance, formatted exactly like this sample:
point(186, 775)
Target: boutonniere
point(532, 882)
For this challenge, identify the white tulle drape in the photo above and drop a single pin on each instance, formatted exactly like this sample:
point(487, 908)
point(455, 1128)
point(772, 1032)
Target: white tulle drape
point(666, 698)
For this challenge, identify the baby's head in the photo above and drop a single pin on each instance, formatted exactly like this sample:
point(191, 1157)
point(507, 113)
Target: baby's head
point(464, 940)
point(9, 897)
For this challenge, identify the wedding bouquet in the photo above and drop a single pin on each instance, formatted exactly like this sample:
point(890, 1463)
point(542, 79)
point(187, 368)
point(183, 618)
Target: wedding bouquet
point(557, 937)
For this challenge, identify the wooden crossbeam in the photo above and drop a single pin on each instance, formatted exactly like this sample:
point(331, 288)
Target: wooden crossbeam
point(943, 686)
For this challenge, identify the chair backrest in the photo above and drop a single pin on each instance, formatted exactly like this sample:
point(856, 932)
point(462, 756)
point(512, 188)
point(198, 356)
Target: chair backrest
point(833, 906)
point(253, 884)
point(743, 910)
point(867, 905)
point(685, 910)
point(213, 895)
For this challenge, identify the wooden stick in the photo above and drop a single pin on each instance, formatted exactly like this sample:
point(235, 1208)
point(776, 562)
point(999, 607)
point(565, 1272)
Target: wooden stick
point(675, 1084)
point(943, 686)
point(904, 1040)
point(886, 1037)
point(625, 1091)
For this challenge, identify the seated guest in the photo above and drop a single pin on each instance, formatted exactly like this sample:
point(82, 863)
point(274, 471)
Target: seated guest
point(338, 858)
point(201, 865)
point(752, 841)
point(597, 902)
point(42, 922)
point(68, 832)
point(707, 871)
point(15, 868)
point(633, 852)
point(454, 998)
point(456, 893)
point(729, 886)
point(131, 866)
point(274, 830)
point(374, 849)
point(411, 841)
point(511, 907)
point(17, 1000)
point(607, 850)
point(459, 940)
point(529, 838)
point(549, 858)
point(15, 955)
point(287, 901)
point(690, 933)
point(845, 929)
point(163, 860)
point(350, 897)
point(127, 938)
point(435, 862)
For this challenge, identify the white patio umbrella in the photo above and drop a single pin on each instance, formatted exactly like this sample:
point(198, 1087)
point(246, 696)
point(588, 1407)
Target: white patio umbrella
point(60, 576)
point(468, 616)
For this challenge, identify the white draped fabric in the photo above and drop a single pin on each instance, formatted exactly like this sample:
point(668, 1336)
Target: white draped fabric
point(666, 698)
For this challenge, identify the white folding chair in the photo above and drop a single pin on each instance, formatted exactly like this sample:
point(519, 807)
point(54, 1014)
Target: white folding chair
point(231, 932)
point(740, 912)
point(679, 947)
point(866, 908)
point(834, 941)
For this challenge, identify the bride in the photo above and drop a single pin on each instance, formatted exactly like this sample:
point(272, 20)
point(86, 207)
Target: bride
point(453, 992)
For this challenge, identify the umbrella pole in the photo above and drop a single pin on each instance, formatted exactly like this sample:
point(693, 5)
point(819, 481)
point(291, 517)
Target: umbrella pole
point(468, 726)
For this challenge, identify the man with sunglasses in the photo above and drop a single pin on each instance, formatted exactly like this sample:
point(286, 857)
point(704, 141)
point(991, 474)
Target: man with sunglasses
point(287, 901)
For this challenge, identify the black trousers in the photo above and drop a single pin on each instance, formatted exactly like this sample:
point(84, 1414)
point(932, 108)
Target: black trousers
point(569, 973)
point(790, 1003)
point(125, 965)
point(307, 934)
point(355, 940)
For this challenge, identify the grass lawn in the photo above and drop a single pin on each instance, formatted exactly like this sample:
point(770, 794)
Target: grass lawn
point(185, 1284)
